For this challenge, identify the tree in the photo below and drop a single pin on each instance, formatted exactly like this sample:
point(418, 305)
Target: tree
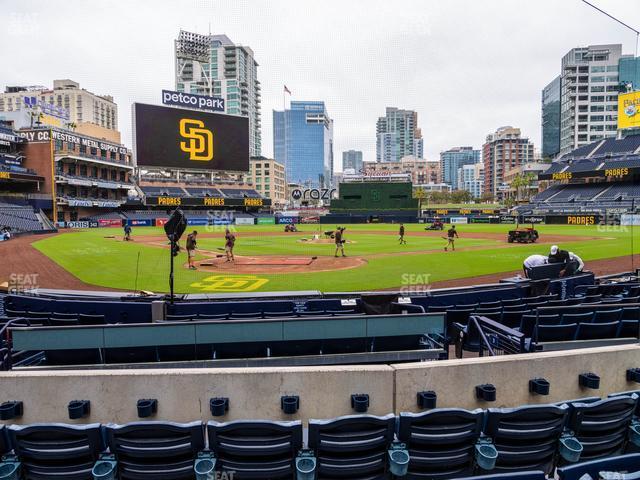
point(487, 197)
point(421, 194)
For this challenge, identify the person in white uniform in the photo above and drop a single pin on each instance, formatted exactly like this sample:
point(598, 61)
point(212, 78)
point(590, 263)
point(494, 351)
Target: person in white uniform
point(533, 261)
point(578, 260)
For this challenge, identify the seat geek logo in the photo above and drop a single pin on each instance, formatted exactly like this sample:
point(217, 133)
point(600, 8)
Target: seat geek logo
point(189, 100)
point(200, 140)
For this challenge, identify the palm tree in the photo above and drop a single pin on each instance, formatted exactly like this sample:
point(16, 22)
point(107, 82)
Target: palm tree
point(421, 195)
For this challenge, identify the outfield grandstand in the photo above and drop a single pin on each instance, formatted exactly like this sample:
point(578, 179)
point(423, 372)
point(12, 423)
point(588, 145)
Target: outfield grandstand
point(602, 178)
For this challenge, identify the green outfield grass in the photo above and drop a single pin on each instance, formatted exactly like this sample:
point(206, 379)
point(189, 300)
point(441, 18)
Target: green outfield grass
point(105, 262)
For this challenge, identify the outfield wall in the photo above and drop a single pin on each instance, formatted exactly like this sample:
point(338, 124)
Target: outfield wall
point(183, 394)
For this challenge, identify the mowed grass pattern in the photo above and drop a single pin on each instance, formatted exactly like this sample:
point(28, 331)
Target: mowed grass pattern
point(105, 262)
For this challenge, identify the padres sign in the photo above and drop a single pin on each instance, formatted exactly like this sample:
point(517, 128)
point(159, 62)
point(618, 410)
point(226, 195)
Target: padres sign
point(180, 138)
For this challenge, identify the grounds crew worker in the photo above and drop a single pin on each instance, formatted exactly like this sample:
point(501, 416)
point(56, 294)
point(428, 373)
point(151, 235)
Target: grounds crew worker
point(127, 233)
point(229, 243)
point(338, 237)
point(451, 233)
point(191, 248)
point(556, 255)
point(533, 261)
point(575, 258)
point(401, 233)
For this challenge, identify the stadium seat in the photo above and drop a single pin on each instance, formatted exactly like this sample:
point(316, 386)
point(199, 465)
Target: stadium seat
point(555, 333)
point(628, 329)
point(473, 306)
point(255, 449)
point(584, 317)
point(630, 313)
point(441, 443)
point(623, 464)
point(606, 316)
point(437, 308)
point(4, 440)
point(592, 299)
point(219, 316)
point(631, 299)
point(56, 450)
point(15, 313)
point(283, 314)
point(532, 475)
point(178, 318)
point(458, 315)
point(513, 319)
point(86, 319)
point(514, 307)
point(352, 447)
point(512, 301)
point(602, 427)
point(553, 319)
point(557, 303)
point(488, 305)
point(155, 450)
point(595, 331)
point(243, 315)
point(526, 437)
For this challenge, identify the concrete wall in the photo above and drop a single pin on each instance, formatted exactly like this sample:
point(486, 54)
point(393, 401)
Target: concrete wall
point(324, 391)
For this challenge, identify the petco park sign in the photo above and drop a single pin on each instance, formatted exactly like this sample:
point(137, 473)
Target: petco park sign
point(189, 100)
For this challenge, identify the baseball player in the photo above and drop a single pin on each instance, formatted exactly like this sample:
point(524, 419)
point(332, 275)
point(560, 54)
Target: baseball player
point(339, 239)
point(191, 248)
point(229, 243)
point(452, 234)
point(401, 234)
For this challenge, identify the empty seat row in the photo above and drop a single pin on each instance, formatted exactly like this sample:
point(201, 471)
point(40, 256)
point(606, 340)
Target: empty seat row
point(259, 314)
point(441, 443)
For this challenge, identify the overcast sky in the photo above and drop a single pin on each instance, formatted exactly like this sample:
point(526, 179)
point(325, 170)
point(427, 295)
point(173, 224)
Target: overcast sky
point(467, 67)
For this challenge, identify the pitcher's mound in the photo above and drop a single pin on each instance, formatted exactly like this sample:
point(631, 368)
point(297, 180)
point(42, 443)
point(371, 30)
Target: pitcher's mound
point(279, 264)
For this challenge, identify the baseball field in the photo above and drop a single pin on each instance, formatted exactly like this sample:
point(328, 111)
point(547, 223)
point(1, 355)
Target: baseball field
point(268, 259)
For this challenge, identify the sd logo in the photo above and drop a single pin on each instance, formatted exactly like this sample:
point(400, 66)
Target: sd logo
point(200, 144)
point(230, 283)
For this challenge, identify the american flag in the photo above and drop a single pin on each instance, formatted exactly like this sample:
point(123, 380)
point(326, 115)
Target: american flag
point(287, 90)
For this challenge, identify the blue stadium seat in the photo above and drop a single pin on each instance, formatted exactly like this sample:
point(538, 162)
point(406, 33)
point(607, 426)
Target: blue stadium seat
point(584, 317)
point(513, 319)
point(606, 316)
point(628, 329)
point(555, 333)
point(602, 427)
point(533, 475)
point(552, 319)
point(621, 464)
point(4, 440)
point(56, 450)
point(155, 450)
point(595, 331)
point(352, 447)
point(527, 437)
point(256, 449)
point(441, 443)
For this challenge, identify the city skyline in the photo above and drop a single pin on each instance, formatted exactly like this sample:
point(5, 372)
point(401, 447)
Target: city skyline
point(421, 65)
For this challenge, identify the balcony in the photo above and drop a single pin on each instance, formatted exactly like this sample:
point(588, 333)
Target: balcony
point(65, 153)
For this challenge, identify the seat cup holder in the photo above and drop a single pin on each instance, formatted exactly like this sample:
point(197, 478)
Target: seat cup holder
point(360, 402)
point(427, 399)
point(10, 471)
point(539, 386)
point(589, 380)
point(570, 449)
point(9, 410)
point(290, 404)
point(633, 375)
point(486, 392)
point(104, 470)
point(399, 461)
point(147, 407)
point(219, 406)
point(305, 468)
point(486, 456)
point(634, 433)
point(79, 409)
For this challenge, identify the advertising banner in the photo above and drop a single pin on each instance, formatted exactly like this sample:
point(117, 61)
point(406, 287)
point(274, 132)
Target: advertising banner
point(629, 110)
point(629, 219)
point(167, 201)
point(572, 219)
point(160, 222)
point(532, 219)
point(245, 221)
point(266, 220)
point(179, 138)
point(110, 222)
point(197, 221)
point(507, 219)
point(286, 220)
point(453, 220)
point(144, 222)
point(312, 219)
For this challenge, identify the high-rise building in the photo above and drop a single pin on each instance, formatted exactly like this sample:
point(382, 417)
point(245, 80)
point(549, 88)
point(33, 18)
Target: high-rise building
point(65, 106)
point(453, 159)
point(589, 94)
point(352, 160)
point(303, 143)
point(269, 179)
point(471, 179)
point(502, 151)
point(213, 65)
point(551, 119)
point(398, 135)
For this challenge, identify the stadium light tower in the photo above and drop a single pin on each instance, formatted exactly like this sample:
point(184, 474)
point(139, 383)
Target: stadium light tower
point(194, 49)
